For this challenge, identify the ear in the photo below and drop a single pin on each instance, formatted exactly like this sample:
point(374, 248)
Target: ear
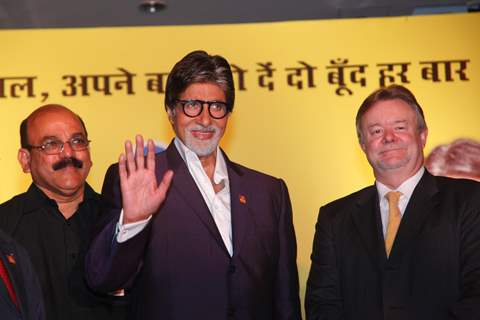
point(171, 115)
point(24, 159)
point(423, 137)
point(361, 141)
point(364, 148)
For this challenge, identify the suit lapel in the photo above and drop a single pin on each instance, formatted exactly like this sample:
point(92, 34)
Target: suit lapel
point(4, 295)
point(12, 272)
point(419, 207)
point(366, 217)
point(185, 186)
point(239, 197)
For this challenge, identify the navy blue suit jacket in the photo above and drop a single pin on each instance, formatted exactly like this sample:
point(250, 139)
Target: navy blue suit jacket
point(179, 268)
point(24, 281)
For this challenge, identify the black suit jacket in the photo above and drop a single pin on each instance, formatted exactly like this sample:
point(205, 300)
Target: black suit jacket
point(24, 281)
point(434, 267)
point(179, 268)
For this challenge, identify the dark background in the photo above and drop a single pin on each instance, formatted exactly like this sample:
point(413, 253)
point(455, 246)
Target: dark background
point(16, 14)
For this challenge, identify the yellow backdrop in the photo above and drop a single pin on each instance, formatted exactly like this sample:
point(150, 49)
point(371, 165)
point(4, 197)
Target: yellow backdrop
point(294, 113)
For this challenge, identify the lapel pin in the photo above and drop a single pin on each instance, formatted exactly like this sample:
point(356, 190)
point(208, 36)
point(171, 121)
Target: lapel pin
point(242, 199)
point(11, 258)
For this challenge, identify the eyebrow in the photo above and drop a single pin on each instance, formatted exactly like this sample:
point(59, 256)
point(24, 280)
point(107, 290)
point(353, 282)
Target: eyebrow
point(395, 122)
point(74, 135)
point(49, 138)
point(400, 121)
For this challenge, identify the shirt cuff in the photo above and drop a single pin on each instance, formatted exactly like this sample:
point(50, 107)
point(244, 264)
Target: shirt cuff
point(127, 231)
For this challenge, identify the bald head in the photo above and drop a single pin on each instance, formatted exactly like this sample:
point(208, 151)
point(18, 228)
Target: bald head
point(60, 175)
point(41, 111)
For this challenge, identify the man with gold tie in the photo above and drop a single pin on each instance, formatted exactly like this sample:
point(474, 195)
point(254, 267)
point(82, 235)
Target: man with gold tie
point(407, 247)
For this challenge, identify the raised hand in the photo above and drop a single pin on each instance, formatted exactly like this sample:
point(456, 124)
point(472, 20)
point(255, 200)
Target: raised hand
point(142, 196)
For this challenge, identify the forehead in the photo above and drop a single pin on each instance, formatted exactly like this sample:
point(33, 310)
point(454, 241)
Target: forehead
point(54, 123)
point(388, 112)
point(203, 91)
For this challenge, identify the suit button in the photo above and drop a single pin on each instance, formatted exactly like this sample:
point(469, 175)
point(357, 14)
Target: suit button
point(231, 269)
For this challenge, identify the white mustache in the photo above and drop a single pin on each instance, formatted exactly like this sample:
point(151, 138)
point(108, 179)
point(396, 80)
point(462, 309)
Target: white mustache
point(201, 128)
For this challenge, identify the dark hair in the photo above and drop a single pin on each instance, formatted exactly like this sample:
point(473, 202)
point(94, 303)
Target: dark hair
point(24, 142)
point(391, 92)
point(200, 67)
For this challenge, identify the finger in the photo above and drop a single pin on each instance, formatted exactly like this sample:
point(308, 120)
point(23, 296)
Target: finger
point(139, 156)
point(165, 184)
point(129, 155)
point(122, 170)
point(151, 155)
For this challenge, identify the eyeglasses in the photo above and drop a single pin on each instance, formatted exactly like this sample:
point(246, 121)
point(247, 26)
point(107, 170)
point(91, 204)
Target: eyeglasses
point(52, 147)
point(193, 108)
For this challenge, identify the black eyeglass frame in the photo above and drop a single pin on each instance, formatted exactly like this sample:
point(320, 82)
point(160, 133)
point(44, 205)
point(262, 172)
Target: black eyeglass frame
point(202, 103)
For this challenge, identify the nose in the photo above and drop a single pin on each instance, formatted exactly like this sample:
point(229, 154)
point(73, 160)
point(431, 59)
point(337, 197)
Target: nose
point(204, 117)
point(388, 136)
point(67, 149)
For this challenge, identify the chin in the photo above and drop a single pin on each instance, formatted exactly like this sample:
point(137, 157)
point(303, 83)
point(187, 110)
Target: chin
point(391, 165)
point(202, 148)
point(204, 151)
point(72, 185)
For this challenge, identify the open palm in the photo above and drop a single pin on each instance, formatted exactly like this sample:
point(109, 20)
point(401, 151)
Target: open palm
point(142, 195)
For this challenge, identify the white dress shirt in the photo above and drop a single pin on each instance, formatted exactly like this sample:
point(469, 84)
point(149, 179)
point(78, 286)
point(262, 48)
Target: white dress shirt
point(217, 203)
point(406, 188)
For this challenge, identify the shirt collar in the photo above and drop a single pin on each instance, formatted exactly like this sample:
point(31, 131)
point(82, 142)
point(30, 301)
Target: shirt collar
point(37, 198)
point(406, 188)
point(220, 173)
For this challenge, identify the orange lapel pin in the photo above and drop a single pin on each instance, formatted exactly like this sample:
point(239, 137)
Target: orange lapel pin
point(242, 199)
point(11, 259)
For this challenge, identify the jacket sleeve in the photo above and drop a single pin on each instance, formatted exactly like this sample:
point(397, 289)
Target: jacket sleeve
point(111, 265)
point(35, 308)
point(323, 298)
point(468, 305)
point(287, 302)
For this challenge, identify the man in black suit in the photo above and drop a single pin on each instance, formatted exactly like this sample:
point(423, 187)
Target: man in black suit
point(220, 244)
point(20, 293)
point(407, 247)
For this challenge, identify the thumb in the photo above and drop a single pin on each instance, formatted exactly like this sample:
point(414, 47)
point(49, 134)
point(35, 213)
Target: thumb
point(165, 184)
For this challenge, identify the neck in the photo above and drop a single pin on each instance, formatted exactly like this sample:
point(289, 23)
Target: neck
point(394, 180)
point(208, 164)
point(391, 182)
point(67, 203)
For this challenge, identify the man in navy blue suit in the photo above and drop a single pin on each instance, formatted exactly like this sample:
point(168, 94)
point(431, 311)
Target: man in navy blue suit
point(213, 240)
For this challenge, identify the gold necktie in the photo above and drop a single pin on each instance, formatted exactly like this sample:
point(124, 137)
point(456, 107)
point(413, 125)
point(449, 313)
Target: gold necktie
point(394, 218)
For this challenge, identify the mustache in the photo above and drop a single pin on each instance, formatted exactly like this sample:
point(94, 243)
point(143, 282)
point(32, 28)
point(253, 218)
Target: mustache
point(199, 127)
point(65, 162)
